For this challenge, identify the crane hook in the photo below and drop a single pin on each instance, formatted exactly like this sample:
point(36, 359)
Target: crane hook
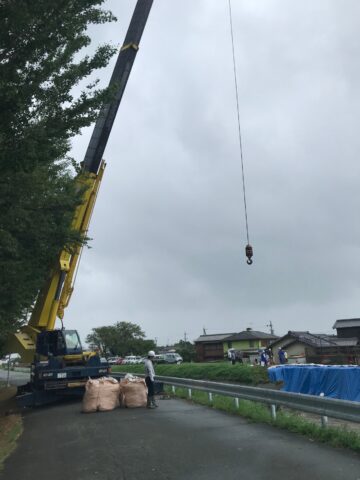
point(249, 254)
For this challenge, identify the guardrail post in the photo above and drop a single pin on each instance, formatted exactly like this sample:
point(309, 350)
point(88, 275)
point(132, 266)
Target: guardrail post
point(8, 373)
point(210, 397)
point(324, 419)
point(236, 402)
point(273, 412)
point(173, 389)
point(189, 393)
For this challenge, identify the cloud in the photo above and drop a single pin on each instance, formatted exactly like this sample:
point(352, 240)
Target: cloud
point(168, 227)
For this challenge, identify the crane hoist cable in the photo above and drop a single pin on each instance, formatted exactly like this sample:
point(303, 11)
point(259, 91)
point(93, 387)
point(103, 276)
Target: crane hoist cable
point(248, 248)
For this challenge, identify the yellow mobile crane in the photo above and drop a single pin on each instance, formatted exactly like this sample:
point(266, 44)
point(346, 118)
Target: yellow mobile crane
point(59, 365)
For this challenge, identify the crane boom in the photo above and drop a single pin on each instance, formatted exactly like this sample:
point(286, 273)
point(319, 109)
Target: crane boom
point(119, 78)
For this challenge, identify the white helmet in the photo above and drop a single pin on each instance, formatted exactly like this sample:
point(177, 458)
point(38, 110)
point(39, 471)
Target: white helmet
point(151, 353)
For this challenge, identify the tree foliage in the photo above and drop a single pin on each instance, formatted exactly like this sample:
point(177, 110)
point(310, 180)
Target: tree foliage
point(40, 65)
point(123, 338)
point(186, 350)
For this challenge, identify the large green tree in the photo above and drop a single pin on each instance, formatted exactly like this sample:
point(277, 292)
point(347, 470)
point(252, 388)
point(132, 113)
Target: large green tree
point(123, 338)
point(40, 64)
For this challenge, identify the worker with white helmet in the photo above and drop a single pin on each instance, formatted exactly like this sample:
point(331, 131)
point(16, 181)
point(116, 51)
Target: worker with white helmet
point(150, 379)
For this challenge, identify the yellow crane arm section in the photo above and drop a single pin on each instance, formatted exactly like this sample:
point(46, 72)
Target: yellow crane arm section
point(55, 295)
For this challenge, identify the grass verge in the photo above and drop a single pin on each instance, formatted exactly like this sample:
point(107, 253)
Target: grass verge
point(10, 423)
point(293, 422)
point(238, 373)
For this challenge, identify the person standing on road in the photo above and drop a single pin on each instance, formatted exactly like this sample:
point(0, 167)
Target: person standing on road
point(150, 379)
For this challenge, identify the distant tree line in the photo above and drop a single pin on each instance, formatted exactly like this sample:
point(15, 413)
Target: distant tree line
point(186, 350)
point(126, 338)
point(121, 339)
point(39, 41)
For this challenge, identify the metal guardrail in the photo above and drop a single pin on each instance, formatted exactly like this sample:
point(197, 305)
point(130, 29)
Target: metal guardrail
point(325, 407)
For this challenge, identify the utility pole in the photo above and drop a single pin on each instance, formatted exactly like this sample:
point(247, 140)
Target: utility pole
point(185, 337)
point(270, 325)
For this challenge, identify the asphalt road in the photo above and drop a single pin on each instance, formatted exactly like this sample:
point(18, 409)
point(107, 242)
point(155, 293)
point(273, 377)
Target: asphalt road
point(178, 440)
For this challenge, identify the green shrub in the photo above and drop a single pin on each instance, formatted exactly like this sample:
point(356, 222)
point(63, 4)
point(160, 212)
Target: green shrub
point(224, 371)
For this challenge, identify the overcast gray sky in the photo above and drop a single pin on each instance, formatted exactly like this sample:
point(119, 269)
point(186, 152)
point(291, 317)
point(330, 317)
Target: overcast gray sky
point(168, 229)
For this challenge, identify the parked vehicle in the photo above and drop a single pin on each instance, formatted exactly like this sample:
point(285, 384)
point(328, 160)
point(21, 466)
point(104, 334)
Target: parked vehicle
point(115, 360)
point(131, 360)
point(13, 358)
point(159, 359)
point(140, 360)
point(173, 358)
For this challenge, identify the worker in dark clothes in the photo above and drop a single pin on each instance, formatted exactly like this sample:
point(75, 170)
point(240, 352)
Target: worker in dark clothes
point(281, 355)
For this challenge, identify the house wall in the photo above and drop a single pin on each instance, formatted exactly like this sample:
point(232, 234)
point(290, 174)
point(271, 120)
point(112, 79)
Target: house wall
point(209, 351)
point(245, 344)
point(297, 353)
point(199, 348)
point(348, 332)
point(341, 355)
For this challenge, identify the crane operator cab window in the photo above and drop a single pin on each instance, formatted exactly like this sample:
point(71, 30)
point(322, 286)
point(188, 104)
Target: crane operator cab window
point(72, 341)
point(58, 342)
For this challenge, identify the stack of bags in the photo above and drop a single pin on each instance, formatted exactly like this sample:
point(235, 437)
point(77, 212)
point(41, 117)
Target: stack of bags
point(133, 391)
point(106, 393)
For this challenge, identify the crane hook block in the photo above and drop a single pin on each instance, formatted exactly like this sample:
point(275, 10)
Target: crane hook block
point(249, 254)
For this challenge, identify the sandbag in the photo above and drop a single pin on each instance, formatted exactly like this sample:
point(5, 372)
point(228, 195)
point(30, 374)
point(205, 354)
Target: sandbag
point(101, 394)
point(133, 393)
point(91, 397)
point(109, 394)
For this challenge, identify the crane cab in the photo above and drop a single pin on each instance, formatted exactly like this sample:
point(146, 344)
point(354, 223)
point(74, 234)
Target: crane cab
point(58, 343)
point(60, 369)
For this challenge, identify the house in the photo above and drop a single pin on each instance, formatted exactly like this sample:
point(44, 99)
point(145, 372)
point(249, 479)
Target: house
point(210, 347)
point(249, 341)
point(215, 347)
point(306, 347)
point(348, 328)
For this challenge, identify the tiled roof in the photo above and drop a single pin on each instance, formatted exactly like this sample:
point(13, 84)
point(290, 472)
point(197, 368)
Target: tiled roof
point(347, 323)
point(218, 337)
point(315, 340)
point(251, 335)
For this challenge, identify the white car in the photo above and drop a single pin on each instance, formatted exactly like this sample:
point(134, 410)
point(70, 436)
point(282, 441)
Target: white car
point(140, 360)
point(130, 360)
point(173, 358)
point(13, 357)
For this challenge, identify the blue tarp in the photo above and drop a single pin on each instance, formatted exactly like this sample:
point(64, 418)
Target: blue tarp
point(333, 381)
